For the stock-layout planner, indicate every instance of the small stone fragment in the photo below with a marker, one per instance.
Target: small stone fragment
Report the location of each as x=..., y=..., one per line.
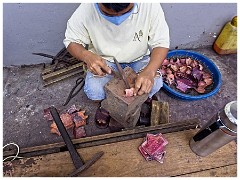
x=72, y=109
x=47, y=115
x=79, y=132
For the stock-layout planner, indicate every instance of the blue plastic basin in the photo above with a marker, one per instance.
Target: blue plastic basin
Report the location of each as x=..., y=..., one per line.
x=217, y=80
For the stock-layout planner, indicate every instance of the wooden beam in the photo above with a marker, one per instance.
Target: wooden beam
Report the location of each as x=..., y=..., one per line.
x=107, y=138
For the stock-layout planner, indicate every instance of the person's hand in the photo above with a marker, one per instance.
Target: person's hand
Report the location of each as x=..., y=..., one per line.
x=144, y=83
x=97, y=65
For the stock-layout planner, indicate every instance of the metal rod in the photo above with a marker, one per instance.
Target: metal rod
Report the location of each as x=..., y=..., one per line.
x=77, y=161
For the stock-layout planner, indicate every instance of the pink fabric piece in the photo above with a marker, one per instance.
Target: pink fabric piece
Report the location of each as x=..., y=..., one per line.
x=145, y=154
x=153, y=147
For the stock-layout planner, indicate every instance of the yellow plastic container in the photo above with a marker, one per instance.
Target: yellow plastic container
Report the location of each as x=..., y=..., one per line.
x=226, y=42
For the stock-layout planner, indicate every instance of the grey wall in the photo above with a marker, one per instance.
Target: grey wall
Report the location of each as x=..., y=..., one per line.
x=33, y=27
x=29, y=28
x=196, y=25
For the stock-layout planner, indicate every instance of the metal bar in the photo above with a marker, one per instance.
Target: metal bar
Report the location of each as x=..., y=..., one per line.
x=44, y=55
x=52, y=57
x=64, y=54
x=66, y=70
x=75, y=90
x=77, y=161
x=59, y=78
x=61, y=52
x=48, y=69
x=122, y=74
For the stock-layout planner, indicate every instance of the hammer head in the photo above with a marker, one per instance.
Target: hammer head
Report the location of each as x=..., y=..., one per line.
x=87, y=164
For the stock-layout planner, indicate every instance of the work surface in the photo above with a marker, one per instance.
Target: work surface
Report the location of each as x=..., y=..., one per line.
x=122, y=159
x=25, y=98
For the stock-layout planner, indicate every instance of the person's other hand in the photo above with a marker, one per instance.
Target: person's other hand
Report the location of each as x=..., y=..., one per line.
x=144, y=83
x=97, y=65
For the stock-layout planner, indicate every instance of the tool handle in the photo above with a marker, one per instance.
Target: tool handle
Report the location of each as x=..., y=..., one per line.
x=77, y=161
x=122, y=74
x=79, y=83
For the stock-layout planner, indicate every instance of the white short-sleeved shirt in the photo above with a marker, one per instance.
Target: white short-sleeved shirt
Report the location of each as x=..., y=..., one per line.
x=130, y=41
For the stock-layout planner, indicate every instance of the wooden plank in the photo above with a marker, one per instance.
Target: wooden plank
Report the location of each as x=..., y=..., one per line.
x=225, y=171
x=126, y=134
x=160, y=113
x=122, y=159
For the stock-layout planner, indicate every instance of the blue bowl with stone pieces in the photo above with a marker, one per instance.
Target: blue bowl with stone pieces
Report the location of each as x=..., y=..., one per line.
x=207, y=63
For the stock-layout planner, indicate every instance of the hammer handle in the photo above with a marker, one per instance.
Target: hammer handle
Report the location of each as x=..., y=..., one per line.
x=77, y=161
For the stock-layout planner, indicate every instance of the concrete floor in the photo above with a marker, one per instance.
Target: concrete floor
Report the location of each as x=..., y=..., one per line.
x=25, y=98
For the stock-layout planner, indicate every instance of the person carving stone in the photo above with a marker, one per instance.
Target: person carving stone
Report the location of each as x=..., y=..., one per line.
x=136, y=34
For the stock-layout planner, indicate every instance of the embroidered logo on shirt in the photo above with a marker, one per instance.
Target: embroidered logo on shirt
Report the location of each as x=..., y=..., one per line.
x=138, y=36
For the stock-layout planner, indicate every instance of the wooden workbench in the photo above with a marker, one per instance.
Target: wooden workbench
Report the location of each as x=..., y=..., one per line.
x=123, y=159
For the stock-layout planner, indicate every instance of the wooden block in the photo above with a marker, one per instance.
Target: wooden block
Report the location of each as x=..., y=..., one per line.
x=125, y=110
x=115, y=126
x=122, y=159
x=160, y=113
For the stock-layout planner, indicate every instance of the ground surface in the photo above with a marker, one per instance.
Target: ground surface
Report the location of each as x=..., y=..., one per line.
x=24, y=99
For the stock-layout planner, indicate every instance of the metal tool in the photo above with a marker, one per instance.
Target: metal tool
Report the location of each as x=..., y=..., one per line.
x=55, y=57
x=122, y=73
x=56, y=60
x=77, y=160
x=79, y=84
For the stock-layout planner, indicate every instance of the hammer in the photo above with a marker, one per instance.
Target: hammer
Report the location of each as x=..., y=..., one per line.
x=76, y=158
